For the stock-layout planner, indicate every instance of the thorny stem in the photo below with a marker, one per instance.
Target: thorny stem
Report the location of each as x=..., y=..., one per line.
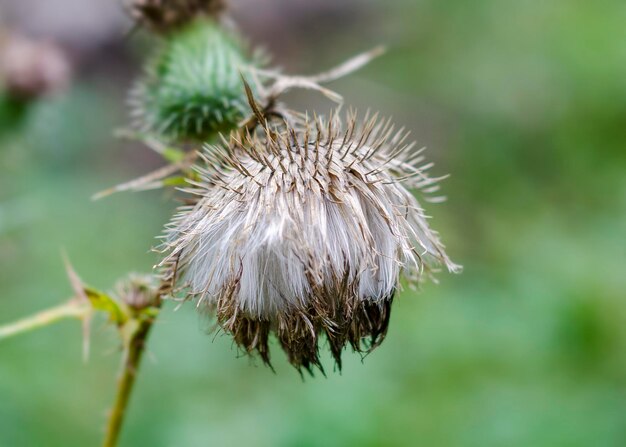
x=72, y=309
x=132, y=360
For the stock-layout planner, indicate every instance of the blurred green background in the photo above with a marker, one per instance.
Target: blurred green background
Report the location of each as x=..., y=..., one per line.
x=523, y=102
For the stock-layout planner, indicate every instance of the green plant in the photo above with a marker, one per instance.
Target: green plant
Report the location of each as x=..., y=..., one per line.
x=293, y=227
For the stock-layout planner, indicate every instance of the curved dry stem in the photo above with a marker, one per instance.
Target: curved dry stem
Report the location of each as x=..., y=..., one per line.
x=284, y=83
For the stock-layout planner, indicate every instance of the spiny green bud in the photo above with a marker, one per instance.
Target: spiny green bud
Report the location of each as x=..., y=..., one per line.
x=192, y=88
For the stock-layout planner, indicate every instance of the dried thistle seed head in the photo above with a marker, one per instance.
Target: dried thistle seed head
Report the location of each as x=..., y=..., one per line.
x=30, y=69
x=192, y=88
x=138, y=291
x=167, y=15
x=304, y=231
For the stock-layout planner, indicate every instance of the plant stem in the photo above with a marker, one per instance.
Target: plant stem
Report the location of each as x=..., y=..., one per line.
x=132, y=360
x=72, y=309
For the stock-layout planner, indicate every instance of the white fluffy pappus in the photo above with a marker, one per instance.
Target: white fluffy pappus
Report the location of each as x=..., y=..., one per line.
x=304, y=229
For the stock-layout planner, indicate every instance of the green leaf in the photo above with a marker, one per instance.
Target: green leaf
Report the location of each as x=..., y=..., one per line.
x=173, y=155
x=103, y=302
x=175, y=181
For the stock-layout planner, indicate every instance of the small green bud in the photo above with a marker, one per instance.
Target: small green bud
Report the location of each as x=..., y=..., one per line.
x=192, y=88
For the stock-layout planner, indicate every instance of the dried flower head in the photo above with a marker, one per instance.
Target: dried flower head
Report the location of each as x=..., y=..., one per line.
x=304, y=230
x=29, y=69
x=192, y=88
x=167, y=15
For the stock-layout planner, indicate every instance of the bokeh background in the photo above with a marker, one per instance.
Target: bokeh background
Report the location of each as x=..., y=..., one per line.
x=523, y=102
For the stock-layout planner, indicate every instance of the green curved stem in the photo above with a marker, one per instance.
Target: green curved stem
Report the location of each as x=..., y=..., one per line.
x=132, y=360
x=68, y=310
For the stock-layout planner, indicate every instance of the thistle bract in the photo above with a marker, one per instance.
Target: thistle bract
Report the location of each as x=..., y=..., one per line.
x=192, y=88
x=305, y=230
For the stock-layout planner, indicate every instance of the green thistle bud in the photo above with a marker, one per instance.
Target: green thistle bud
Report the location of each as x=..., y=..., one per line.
x=192, y=88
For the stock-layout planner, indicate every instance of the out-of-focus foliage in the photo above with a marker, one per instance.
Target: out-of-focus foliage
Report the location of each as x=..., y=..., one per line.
x=523, y=102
